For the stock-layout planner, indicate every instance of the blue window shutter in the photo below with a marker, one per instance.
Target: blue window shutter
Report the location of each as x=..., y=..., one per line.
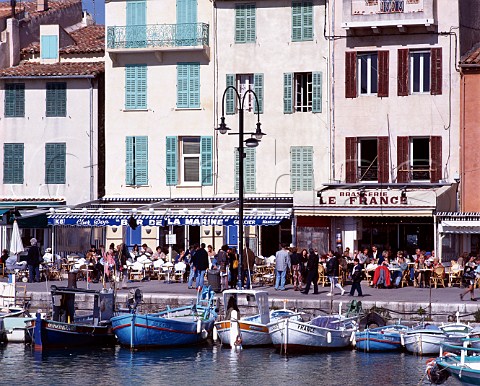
x=302, y=20
x=194, y=86
x=317, y=92
x=13, y=162
x=49, y=47
x=136, y=29
x=14, y=100
x=258, y=88
x=206, y=150
x=186, y=11
x=249, y=167
x=186, y=29
x=240, y=24
x=171, y=161
x=296, y=21
x=250, y=17
x=55, y=163
x=56, y=101
x=230, y=96
x=135, y=86
x=307, y=20
x=188, y=85
x=288, y=93
x=301, y=168
x=129, y=164
x=182, y=85
x=141, y=160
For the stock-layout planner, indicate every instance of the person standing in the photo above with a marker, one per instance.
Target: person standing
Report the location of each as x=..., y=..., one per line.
x=333, y=268
x=469, y=276
x=193, y=273
x=357, y=276
x=295, y=260
x=312, y=273
x=201, y=265
x=282, y=263
x=33, y=261
x=222, y=262
x=248, y=262
x=233, y=265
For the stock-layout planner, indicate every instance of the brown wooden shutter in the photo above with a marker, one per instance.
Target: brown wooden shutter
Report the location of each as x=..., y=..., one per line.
x=403, y=78
x=436, y=71
x=435, y=158
x=403, y=161
x=383, y=160
x=382, y=74
x=350, y=160
x=350, y=74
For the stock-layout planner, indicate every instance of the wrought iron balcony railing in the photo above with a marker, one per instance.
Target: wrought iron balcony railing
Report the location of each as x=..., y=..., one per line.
x=158, y=36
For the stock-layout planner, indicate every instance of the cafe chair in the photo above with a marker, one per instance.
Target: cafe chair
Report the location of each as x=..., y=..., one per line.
x=322, y=278
x=455, y=274
x=438, y=277
x=405, y=278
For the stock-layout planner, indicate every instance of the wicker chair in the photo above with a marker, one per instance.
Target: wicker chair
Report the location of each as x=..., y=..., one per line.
x=438, y=277
x=322, y=278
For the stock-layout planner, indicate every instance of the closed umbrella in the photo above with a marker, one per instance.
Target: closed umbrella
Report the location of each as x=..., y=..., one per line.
x=16, y=244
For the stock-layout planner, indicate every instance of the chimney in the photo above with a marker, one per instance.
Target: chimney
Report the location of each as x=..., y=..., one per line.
x=42, y=5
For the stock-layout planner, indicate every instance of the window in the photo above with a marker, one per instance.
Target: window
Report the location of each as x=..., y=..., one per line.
x=13, y=163
x=190, y=160
x=186, y=28
x=249, y=185
x=367, y=159
x=302, y=92
x=188, y=85
x=135, y=87
x=301, y=168
x=366, y=74
x=14, y=100
x=420, y=71
x=49, y=47
x=56, y=99
x=243, y=83
x=245, y=23
x=136, y=32
x=302, y=20
x=55, y=163
x=136, y=161
x=419, y=159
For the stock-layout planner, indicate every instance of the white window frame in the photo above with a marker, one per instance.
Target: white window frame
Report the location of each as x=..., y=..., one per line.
x=184, y=156
x=423, y=53
x=245, y=82
x=428, y=157
x=298, y=86
x=369, y=56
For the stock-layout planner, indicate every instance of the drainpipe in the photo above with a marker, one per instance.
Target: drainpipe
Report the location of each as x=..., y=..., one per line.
x=92, y=174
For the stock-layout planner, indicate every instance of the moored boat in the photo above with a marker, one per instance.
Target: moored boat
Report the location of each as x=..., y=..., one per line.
x=180, y=326
x=386, y=338
x=424, y=340
x=321, y=333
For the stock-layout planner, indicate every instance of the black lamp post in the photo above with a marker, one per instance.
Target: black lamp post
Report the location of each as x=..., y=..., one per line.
x=250, y=142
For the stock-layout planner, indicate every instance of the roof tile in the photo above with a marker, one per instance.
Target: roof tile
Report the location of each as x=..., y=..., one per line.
x=56, y=69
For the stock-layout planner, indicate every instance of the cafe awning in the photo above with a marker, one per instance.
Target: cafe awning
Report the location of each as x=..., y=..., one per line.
x=458, y=223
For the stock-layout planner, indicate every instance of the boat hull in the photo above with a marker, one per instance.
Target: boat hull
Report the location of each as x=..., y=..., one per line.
x=252, y=334
x=465, y=374
x=290, y=335
x=377, y=341
x=424, y=343
x=145, y=330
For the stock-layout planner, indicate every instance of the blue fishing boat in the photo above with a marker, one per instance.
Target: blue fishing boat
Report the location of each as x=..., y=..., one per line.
x=67, y=330
x=180, y=326
x=386, y=338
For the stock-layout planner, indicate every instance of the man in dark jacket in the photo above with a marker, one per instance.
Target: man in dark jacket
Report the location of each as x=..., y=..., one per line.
x=312, y=272
x=248, y=261
x=333, y=271
x=200, y=264
x=357, y=276
x=33, y=261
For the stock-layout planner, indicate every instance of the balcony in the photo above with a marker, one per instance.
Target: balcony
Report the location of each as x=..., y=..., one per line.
x=377, y=14
x=158, y=38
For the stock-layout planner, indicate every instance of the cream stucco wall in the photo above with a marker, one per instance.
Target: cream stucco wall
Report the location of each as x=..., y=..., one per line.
x=413, y=115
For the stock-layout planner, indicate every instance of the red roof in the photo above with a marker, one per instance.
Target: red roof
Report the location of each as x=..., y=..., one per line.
x=472, y=56
x=56, y=69
x=88, y=39
x=31, y=7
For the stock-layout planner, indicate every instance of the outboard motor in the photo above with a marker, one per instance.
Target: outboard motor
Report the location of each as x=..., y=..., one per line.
x=134, y=298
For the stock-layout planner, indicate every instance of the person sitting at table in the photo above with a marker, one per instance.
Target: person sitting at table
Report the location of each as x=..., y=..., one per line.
x=134, y=253
x=399, y=267
x=421, y=271
x=159, y=254
x=381, y=277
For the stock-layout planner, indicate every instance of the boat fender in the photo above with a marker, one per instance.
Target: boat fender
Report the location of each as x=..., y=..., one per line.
x=435, y=373
x=329, y=337
x=238, y=341
x=215, y=334
x=199, y=326
x=402, y=340
x=204, y=334
x=352, y=338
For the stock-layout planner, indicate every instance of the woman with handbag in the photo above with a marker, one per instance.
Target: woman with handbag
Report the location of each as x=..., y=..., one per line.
x=469, y=276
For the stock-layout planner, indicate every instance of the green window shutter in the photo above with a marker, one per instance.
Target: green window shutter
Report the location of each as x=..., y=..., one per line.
x=14, y=100
x=141, y=160
x=186, y=11
x=56, y=101
x=302, y=20
x=230, y=96
x=317, y=92
x=171, y=161
x=186, y=31
x=135, y=86
x=288, y=93
x=250, y=23
x=240, y=24
x=13, y=162
x=55, y=163
x=258, y=88
x=188, y=85
x=307, y=20
x=296, y=21
x=129, y=161
x=301, y=168
x=136, y=29
x=249, y=168
x=206, y=150
x=49, y=47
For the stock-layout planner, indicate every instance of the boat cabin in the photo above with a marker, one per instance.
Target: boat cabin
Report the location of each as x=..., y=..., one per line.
x=249, y=302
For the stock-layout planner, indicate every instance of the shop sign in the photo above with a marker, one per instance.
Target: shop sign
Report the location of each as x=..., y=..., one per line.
x=371, y=198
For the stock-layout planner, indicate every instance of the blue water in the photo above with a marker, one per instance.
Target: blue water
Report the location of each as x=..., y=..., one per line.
x=207, y=365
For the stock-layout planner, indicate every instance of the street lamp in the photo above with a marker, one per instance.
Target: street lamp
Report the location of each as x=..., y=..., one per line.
x=253, y=141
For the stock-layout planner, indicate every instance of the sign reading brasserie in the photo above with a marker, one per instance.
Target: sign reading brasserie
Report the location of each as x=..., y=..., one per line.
x=365, y=198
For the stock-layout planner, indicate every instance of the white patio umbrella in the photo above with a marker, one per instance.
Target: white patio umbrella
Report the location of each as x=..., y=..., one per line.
x=16, y=244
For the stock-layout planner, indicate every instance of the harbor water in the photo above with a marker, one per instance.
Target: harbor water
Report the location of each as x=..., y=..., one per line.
x=208, y=365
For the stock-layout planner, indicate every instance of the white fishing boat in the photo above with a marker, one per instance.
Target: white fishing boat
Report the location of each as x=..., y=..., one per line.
x=424, y=340
x=245, y=322
x=321, y=333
